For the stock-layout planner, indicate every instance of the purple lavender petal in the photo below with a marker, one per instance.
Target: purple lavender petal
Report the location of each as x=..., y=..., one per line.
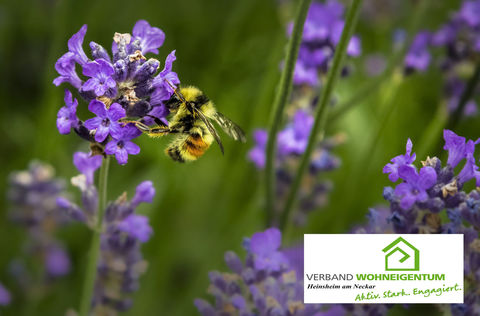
x=456, y=147
x=67, y=115
x=144, y=193
x=98, y=108
x=65, y=66
x=75, y=45
x=427, y=178
x=132, y=148
x=162, y=89
x=87, y=164
x=116, y=112
x=151, y=38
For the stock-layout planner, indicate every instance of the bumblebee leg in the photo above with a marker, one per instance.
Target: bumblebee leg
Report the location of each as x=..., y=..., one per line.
x=142, y=127
x=157, y=121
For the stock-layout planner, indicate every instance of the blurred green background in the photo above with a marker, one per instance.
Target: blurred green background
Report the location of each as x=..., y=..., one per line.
x=232, y=50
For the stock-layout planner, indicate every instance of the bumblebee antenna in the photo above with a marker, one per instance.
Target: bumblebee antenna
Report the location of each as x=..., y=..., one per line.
x=178, y=94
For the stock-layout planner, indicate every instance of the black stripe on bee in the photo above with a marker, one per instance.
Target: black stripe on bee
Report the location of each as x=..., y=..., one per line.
x=201, y=100
x=172, y=103
x=174, y=153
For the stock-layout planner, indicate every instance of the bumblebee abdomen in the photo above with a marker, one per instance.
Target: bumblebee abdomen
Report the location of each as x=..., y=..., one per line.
x=195, y=146
x=174, y=153
x=188, y=148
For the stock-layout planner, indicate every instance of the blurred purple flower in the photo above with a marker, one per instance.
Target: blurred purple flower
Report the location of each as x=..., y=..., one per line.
x=87, y=164
x=294, y=138
x=57, y=262
x=257, y=154
x=470, y=12
x=304, y=74
x=136, y=226
x=144, y=193
x=418, y=57
x=321, y=34
x=265, y=246
x=5, y=297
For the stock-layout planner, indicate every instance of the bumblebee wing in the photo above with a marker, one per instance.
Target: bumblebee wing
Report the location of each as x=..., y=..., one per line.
x=210, y=127
x=229, y=127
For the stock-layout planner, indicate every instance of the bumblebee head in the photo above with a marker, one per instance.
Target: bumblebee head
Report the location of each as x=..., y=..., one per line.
x=173, y=103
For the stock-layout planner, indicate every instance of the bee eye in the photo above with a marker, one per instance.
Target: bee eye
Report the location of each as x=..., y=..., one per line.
x=173, y=103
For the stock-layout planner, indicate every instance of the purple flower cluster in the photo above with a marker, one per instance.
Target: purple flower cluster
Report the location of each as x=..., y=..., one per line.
x=417, y=202
x=121, y=264
x=32, y=195
x=459, y=43
x=125, y=84
x=269, y=282
x=265, y=283
x=321, y=34
x=292, y=142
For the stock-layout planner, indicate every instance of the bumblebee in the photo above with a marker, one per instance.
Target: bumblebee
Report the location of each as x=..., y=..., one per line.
x=191, y=124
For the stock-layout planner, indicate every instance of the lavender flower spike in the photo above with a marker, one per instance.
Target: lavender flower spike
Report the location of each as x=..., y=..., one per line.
x=123, y=83
x=400, y=160
x=271, y=290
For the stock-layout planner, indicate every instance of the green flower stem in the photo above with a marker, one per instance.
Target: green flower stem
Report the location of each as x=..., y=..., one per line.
x=322, y=110
x=395, y=61
x=283, y=93
x=91, y=273
x=466, y=96
x=452, y=122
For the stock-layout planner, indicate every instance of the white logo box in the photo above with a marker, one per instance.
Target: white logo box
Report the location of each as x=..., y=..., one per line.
x=396, y=268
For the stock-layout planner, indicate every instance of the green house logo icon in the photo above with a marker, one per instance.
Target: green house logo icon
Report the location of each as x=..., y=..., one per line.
x=401, y=255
